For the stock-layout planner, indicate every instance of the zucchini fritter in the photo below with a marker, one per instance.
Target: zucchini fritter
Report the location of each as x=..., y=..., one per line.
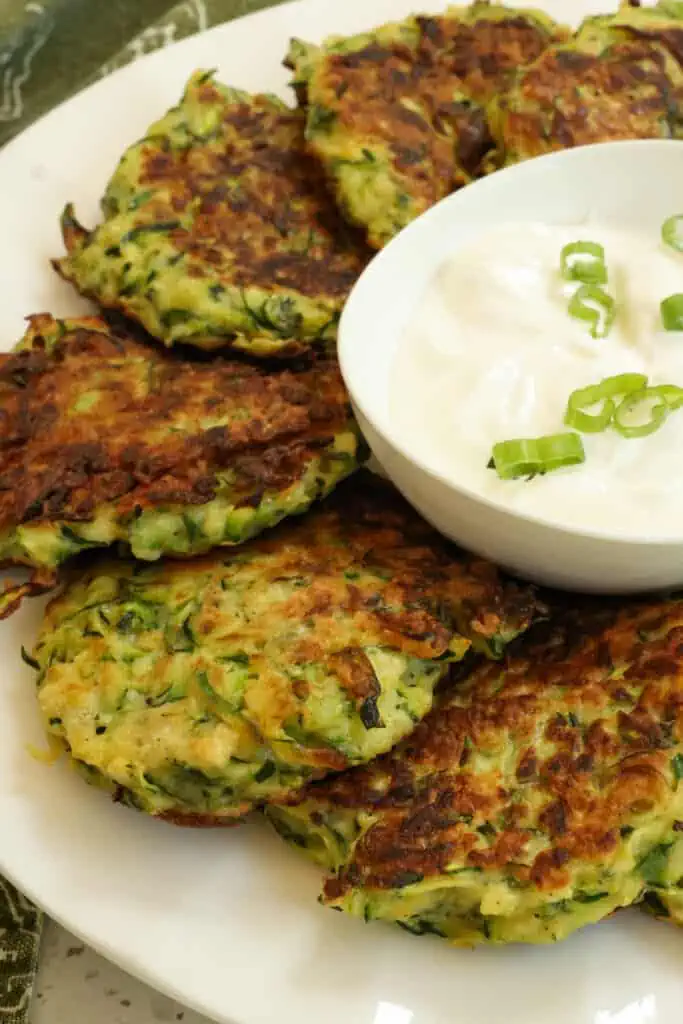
x=539, y=796
x=197, y=689
x=219, y=231
x=661, y=24
x=608, y=84
x=396, y=116
x=106, y=438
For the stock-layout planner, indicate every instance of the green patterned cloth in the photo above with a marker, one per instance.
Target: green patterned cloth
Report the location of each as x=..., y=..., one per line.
x=49, y=49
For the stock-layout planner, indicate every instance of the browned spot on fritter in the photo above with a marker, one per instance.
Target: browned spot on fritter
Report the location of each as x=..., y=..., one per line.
x=593, y=737
x=425, y=103
x=253, y=187
x=570, y=98
x=147, y=440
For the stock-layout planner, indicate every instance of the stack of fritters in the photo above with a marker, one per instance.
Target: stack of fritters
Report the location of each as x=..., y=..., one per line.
x=401, y=116
x=621, y=77
x=397, y=116
x=199, y=689
x=526, y=797
x=108, y=438
x=540, y=795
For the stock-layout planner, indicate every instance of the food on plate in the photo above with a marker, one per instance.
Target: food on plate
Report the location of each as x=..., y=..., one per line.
x=604, y=85
x=195, y=690
x=218, y=230
x=541, y=794
x=396, y=116
x=572, y=432
x=661, y=23
x=664, y=898
x=108, y=438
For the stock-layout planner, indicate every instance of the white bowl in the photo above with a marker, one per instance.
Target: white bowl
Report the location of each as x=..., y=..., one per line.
x=633, y=185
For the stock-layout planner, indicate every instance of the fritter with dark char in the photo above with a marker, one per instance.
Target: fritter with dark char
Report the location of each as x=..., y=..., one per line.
x=396, y=116
x=197, y=689
x=661, y=24
x=219, y=231
x=607, y=84
x=540, y=795
x=106, y=438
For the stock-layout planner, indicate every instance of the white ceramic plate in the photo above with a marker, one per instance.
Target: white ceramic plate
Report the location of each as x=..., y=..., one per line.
x=227, y=921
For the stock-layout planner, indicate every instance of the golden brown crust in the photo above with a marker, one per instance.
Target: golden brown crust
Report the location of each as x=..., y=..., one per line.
x=573, y=96
x=281, y=193
x=146, y=440
x=452, y=57
x=405, y=107
x=531, y=767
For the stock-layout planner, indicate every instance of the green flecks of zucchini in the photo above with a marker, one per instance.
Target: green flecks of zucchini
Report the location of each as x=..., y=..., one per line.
x=195, y=534
x=140, y=199
x=170, y=695
x=278, y=314
x=136, y=619
x=653, y=866
x=73, y=538
x=179, y=638
x=487, y=829
x=240, y=658
x=290, y=834
x=265, y=772
x=420, y=926
x=29, y=660
x=652, y=904
x=156, y=227
x=220, y=702
x=366, y=161
x=369, y=713
x=677, y=768
x=320, y=119
x=589, y=897
x=176, y=317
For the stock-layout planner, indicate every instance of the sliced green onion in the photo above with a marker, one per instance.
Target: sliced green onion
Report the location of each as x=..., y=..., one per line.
x=671, y=393
x=657, y=412
x=606, y=391
x=672, y=232
x=672, y=313
x=585, y=262
x=528, y=457
x=593, y=305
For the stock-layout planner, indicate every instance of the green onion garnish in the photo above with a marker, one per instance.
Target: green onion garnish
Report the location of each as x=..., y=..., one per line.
x=671, y=393
x=606, y=391
x=672, y=313
x=672, y=232
x=592, y=304
x=585, y=262
x=648, y=401
x=529, y=457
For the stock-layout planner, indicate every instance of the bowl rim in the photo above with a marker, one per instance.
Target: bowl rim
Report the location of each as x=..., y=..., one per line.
x=348, y=339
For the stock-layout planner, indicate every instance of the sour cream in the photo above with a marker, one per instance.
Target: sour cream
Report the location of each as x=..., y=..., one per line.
x=491, y=354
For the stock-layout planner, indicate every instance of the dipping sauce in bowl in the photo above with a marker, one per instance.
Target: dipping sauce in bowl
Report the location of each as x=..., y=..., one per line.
x=492, y=353
x=467, y=332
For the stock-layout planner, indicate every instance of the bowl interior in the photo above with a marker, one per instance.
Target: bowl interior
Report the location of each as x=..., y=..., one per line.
x=632, y=185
